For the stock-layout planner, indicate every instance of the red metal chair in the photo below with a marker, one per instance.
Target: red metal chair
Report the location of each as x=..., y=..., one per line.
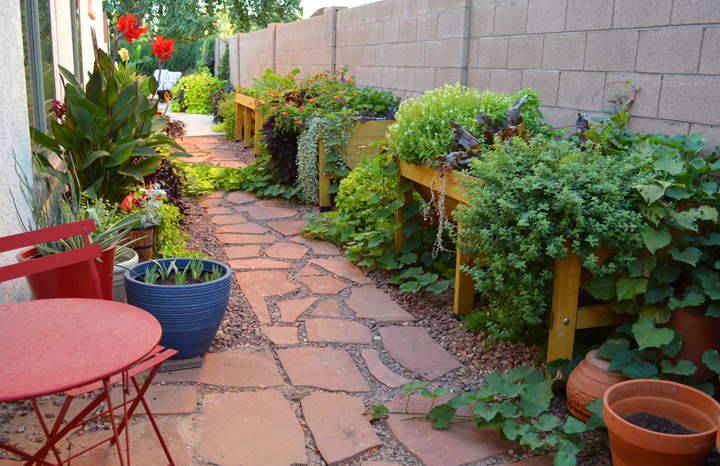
x=89, y=253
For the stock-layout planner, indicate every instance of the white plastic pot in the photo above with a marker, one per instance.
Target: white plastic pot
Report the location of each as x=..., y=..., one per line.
x=119, y=278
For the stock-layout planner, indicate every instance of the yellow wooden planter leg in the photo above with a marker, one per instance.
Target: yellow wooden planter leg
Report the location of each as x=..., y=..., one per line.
x=259, y=120
x=464, y=285
x=248, y=126
x=563, y=319
x=239, y=119
x=324, y=195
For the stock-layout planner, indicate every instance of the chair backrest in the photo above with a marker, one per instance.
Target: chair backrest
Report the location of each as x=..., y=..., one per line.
x=88, y=253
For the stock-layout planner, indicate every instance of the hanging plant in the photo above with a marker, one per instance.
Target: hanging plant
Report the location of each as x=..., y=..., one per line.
x=307, y=161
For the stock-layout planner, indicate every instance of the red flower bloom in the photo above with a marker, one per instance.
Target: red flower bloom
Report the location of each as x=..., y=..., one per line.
x=130, y=27
x=163, y=48
x=127, y=203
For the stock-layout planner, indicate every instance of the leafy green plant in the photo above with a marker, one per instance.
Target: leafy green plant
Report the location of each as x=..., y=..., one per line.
x=224, y=66
x=169, y=240
x=517, y=403
x=197, y=89
x=365, y=224
x=227, y=110
x=109, y=135
x=422, y=129
x=530, y=203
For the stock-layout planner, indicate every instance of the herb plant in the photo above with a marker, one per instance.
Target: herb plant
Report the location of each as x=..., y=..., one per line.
x=531, y=202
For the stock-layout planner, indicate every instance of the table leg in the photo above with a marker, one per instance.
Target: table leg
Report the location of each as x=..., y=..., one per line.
x=45, y=430
x=116, y=435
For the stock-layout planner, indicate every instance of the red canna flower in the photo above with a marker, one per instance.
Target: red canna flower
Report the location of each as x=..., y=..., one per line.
x=163, y=48
x=130, y=27
x=128, y=202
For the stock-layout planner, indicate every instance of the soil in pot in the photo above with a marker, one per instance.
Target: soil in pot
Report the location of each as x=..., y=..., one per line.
x=659, y=424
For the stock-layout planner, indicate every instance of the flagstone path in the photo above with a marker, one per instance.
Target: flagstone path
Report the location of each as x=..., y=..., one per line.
x=334, y=343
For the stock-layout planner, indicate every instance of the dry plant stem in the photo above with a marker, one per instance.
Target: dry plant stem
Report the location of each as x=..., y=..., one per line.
x=438, y=204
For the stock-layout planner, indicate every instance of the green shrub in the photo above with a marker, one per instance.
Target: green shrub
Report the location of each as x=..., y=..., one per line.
x=169, y=240
x=422, y=128
x=227, y=110
x=224, y=66
x=196, y=89
x=527, y=202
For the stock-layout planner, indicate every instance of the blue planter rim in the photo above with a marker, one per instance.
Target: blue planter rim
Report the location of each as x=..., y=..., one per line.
x=141, y=267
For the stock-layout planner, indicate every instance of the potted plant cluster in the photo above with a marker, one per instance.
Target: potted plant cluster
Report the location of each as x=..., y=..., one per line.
x=187, y=296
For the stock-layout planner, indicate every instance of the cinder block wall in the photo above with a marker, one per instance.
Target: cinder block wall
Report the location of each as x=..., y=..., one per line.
x=257, y=53
x=566, y=49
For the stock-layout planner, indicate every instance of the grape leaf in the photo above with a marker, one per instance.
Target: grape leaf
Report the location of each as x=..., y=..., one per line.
x=655, y=240
x=712, y=359
x=684, y=367
x=641, y=370
x=647, y=335
x=610, y=348
x=689, y=255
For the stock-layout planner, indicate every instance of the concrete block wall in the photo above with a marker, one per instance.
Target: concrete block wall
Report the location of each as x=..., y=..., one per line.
x=257, y=53
x=306, y=45
x=234, y=60
x=220, y=46
x=569, y=50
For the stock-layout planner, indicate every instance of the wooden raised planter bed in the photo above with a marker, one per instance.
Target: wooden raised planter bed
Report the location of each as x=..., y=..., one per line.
x=364, y=134
x=253, y=120
x=565, y=318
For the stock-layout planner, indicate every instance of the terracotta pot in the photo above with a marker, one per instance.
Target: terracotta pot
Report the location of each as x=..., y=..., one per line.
x=588, y=382
x=71, y=281
x=700, y=333
x=635, y=446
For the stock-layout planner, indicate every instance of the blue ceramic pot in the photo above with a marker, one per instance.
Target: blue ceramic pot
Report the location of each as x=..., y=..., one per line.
x=190, y=315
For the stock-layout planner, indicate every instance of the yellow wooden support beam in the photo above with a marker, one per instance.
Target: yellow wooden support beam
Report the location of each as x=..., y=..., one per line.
x=464, y=284
x=564, y=313
x=324, y=195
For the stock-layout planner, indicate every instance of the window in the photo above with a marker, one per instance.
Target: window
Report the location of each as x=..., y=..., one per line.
x=77, y=38
x=39, y=72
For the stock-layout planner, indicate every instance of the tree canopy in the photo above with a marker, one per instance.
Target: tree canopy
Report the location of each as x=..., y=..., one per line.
x=189, y=20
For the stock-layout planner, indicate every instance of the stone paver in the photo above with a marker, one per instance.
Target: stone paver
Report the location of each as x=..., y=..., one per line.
x=378, y=463
x=338, y=425
x=460, y=443
x=337, y=331
x=321, y=248
x=329, y=369
x=323, y=284
x=290, y=310
x=251, y=429
x=380, y=371
x=216, y=194
x=162, y=399
x=244, y=228
x=288, y=227
x=145, y=449
x=342, y=268
x=220, y=211
x=327, y=309
x=253, y=264
x=243, y=367
x=242, y=252
x=368, y=302
x=272, y=202
x=238, y=198
x=307, y=270
x=232, y=238
x=267, y=213
x=281, y=335
x=228, y=219
x=257, y=285
x=286, y=251
x=214, y=202
x=417, y=352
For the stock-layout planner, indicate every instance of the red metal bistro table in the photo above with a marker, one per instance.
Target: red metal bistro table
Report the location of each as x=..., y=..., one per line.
x=76, y=346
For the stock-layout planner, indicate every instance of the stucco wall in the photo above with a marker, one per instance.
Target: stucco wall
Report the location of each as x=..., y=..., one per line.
x=14, y=137
x=567, y=49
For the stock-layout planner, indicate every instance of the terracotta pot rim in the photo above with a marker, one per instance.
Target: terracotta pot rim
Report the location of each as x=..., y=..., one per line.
x=656, y=441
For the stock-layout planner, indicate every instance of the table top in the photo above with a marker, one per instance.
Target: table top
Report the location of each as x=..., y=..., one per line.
x=53, y=345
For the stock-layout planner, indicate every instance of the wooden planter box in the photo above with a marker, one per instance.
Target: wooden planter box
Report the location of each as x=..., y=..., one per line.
x=253, y=120
x=565, y=318
x=364, y=134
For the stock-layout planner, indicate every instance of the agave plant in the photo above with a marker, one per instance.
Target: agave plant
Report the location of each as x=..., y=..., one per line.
x=109, y=134
x=53, y=203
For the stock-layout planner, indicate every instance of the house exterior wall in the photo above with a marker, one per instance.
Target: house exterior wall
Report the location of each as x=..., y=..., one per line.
x=14, y=118
x=569, y=50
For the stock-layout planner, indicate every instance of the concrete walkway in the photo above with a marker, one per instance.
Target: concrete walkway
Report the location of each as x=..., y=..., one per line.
x=197, y=125
x=334, y=344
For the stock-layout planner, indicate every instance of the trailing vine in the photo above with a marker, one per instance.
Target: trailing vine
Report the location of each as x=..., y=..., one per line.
x=307, y=161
